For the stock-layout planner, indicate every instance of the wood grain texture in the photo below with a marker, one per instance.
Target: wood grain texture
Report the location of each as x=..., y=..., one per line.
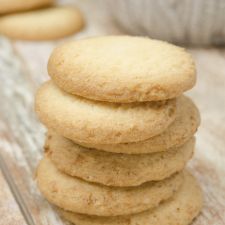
x=21, y=138
x=23, y=68
x=209, y=161
x=9, y=209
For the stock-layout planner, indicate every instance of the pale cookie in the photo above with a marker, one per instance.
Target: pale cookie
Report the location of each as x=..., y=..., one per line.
x=42, y=24
x=79, y=196
x=180, y=210
x=113, y=169
x=180, y=131
x=122, y=69
x=89, y=121
x=9, y=6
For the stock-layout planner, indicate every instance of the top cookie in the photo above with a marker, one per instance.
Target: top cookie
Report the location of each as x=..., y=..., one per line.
x=8, y=6
x=122, y=69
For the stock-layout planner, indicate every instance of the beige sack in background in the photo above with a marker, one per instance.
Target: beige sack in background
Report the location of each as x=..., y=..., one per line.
x=195, y=22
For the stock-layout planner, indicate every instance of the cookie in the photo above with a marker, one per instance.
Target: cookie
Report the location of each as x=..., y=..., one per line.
x=180, y=210
x=122, y=69
x=179, y=132
x=42, y=24
x=76, y=195
x=113, y=169
x=9, y=6
x=89, y=121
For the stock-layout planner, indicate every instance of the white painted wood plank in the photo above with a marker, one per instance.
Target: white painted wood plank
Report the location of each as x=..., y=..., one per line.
x=21, y=138
x=10, y=213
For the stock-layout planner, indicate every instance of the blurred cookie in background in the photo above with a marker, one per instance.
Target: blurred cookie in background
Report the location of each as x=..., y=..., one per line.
x=9, y=6
x=42, y=24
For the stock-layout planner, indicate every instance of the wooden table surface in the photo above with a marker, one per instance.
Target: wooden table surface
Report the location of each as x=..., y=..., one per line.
x=23, y=69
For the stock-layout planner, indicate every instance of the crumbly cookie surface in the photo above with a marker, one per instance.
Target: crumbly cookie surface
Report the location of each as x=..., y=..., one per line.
x=76, y=195
x=180, y=131
x=122, y=69
x=180, y=210
x=95, y=122
x=114, y=169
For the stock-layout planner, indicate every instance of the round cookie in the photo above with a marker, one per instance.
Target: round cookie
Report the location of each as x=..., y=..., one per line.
x=76, y=195
x=83, y=120
x=9, y=6
x=122, y=69
x=180, y=131
x=180, y=210
x=42, y=24
x=120, y=170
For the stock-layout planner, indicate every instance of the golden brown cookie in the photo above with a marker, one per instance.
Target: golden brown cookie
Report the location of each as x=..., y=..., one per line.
x=180, y=131
x=76, y=195
x=9, y=6
x=114, y=169
x=122, y=69
x=84, y=120
x=42, y=24
x=180, y=210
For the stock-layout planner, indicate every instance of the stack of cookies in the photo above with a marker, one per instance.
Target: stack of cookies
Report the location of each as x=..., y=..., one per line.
x=38, y=20
x=120, y=132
